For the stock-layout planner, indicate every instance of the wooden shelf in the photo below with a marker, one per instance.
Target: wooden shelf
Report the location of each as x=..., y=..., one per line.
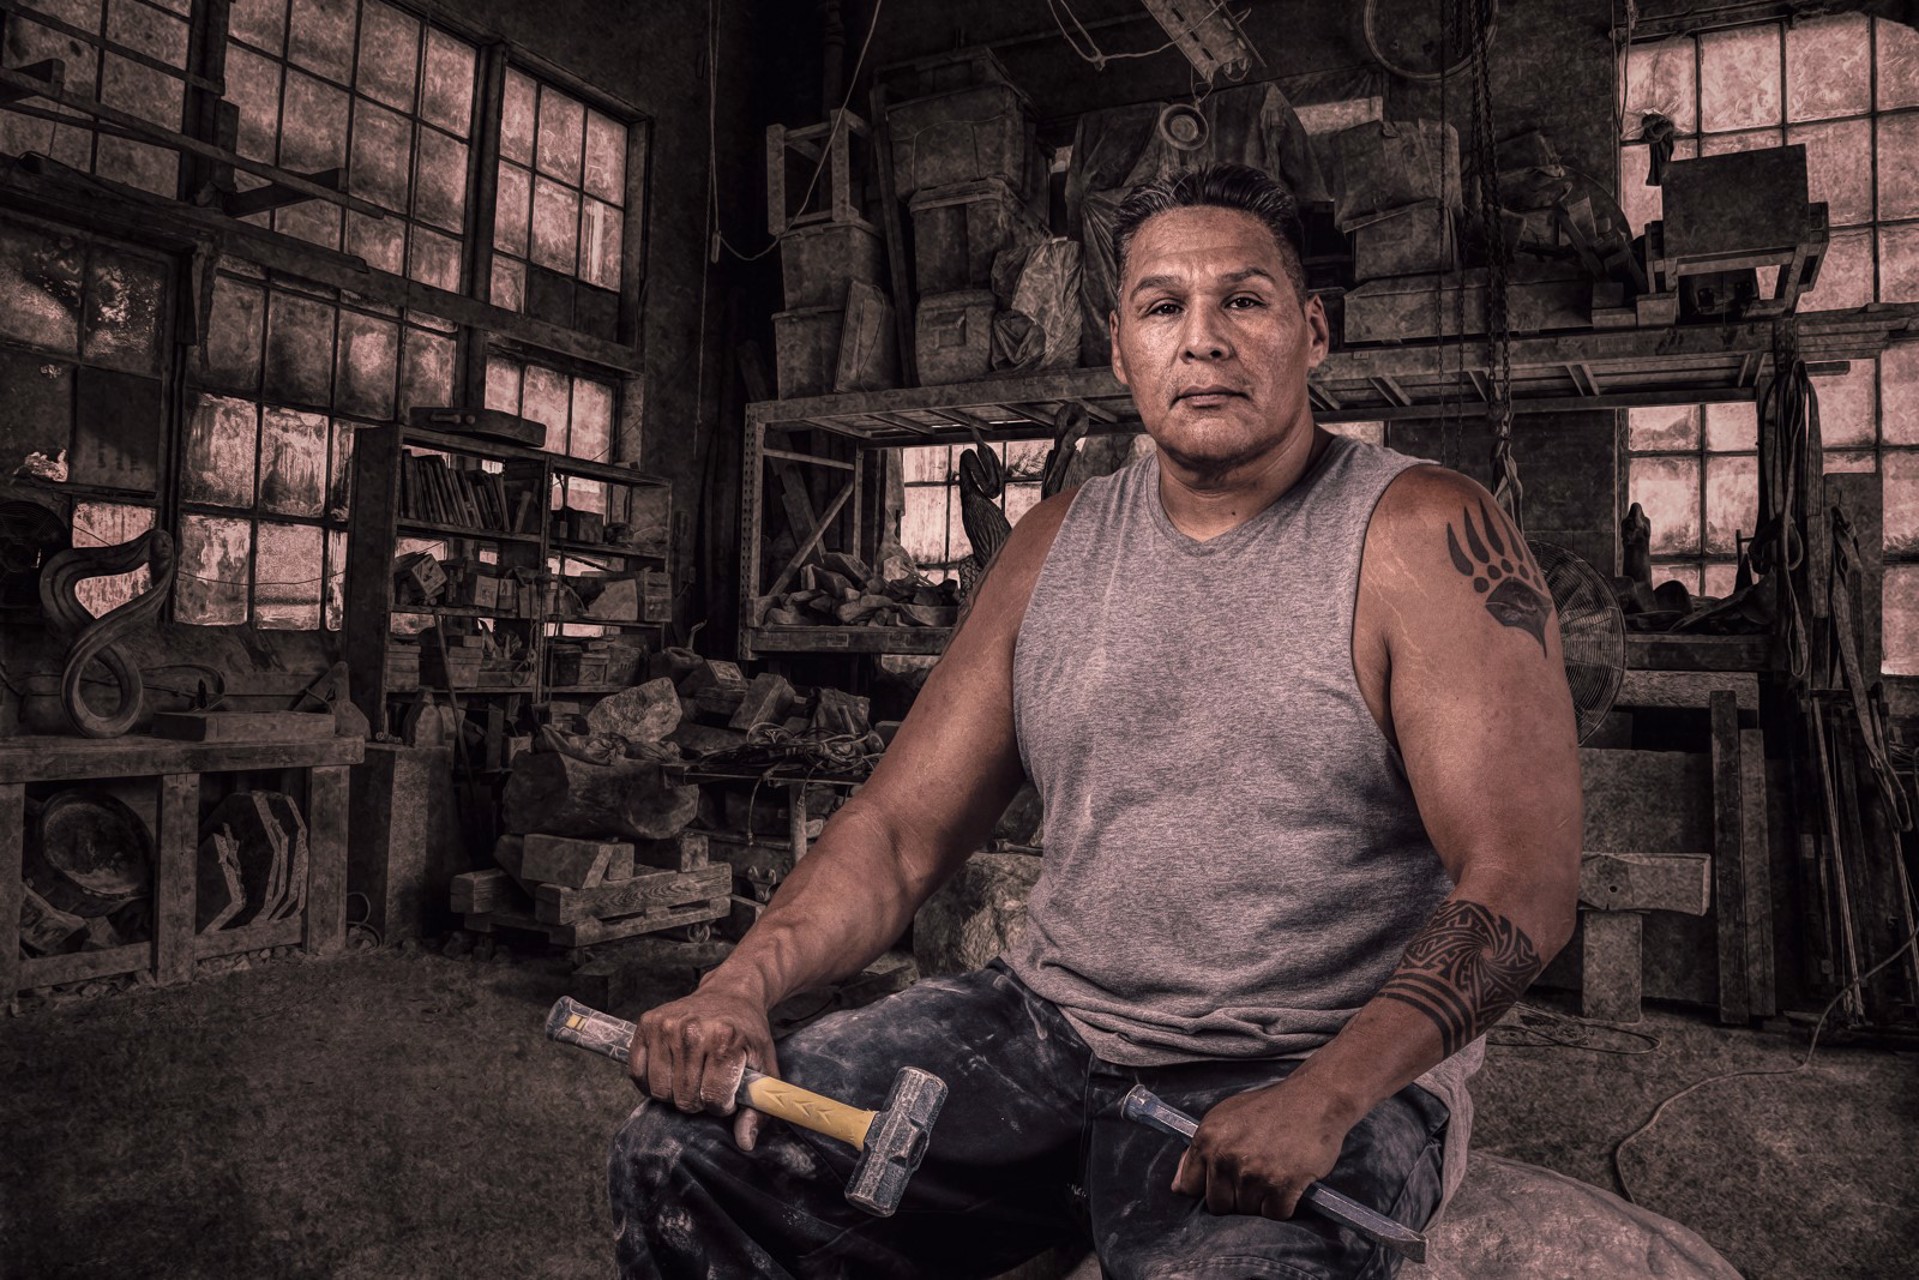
x=1656, y=651
x=587, y=688
x=930, y=640
x=460, y=611
x=408, y=525
x=629, y=624
x=603, y=549
x=502, y=451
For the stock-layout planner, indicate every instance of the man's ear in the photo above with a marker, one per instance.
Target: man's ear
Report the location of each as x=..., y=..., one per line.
x=1119, y=361
x=1320, y=332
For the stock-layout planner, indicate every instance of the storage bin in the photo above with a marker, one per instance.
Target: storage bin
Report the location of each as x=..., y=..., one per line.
x=818, y=261
x=954, y=336
x=965, y=135
x=958, y=230
x=806, y=350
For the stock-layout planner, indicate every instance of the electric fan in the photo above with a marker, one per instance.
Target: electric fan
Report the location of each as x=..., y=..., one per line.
x=1592, y=632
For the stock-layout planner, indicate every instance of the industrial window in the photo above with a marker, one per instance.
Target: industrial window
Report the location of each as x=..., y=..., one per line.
x=561, y=209
x=128, y=54
x=83, y=325
x=289, y=373
x=369, y=88
x=931, y=530
x=577, y=411
x=1847, y=87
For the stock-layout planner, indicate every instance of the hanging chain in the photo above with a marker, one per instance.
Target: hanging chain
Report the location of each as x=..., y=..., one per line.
x=1449, y=408
x=1499, y=408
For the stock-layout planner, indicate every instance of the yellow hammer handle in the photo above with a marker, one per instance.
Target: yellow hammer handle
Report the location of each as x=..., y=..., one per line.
x=808, y=1110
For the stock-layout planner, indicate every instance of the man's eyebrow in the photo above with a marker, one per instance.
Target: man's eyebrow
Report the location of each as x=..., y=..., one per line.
x=1231, y=277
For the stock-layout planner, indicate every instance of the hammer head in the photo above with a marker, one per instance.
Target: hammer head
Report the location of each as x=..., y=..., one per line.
x=896, y=1141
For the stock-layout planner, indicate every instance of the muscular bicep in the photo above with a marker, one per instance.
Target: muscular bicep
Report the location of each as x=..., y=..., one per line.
x=1477, y=693
x=954, y=763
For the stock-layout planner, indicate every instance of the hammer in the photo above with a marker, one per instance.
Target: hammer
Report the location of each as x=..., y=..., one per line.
x=1146, y=1107
x=891, y=1141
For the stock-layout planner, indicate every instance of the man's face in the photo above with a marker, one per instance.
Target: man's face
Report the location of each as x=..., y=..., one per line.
x=1210, y=336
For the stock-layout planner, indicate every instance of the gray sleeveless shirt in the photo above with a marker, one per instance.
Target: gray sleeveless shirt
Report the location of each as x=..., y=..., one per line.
x=1234, y=861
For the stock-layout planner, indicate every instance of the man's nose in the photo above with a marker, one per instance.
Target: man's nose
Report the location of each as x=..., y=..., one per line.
x=1204, y=336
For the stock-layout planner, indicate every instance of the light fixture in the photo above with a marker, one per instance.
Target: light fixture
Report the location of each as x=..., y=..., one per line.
x=1208, y=34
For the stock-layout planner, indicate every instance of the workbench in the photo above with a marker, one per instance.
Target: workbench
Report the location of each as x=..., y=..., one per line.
x=177, y=768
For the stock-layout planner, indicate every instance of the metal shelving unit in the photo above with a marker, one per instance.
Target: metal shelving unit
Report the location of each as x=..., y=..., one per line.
x=1584, y=370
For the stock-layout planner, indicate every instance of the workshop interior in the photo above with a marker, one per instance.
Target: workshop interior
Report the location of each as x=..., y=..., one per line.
x=487, y=480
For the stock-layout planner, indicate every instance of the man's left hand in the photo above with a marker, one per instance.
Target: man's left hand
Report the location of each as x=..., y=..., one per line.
x=1256, y=1152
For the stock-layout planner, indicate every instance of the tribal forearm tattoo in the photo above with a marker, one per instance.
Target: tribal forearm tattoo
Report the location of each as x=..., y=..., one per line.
x=1514, y=588
x=1464, y=970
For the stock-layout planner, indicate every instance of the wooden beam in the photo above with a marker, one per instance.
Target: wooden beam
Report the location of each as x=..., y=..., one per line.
x=50, y=189
x=242, y=204
x=810, y=459
x=174, y=881
x=1646, y=882
x=1611, y=979
x=50, y=70
x=812, y=540
x=1729, y=896
x=35, y=87
x=1755, y=875
x=13, y=839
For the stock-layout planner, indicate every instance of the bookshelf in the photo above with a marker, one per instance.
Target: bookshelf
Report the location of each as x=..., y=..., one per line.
x=493, y=509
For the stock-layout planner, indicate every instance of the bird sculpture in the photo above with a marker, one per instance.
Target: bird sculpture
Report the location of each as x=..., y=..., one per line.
x=981, y=483
x=1070, y=425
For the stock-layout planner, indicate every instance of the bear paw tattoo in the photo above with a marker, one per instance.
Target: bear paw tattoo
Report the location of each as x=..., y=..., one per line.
x=1514, y=589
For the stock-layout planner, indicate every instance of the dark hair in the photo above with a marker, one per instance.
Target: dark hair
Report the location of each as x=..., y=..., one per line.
x=1224, y=186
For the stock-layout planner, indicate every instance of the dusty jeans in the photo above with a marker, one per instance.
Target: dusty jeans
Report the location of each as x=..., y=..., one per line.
x=1030, y=1151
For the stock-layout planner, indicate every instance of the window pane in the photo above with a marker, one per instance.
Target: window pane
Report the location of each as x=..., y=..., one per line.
x=605, y=158
x=427, y=378
x=210, y=588
x=1663, y=428
x=1901, y=479
x=261, y=23
x=1833, y=171
x=562, y=134
x=218, y=467
x=1668, y=490
x=1020, y=498
x=502, y=384
x=1899, y=263
x=287, y=583
x=1732, y=427
x=315, y=133
x=1719, y=144
x=1898, y=47
x=381, y=241
x=336, y=543
x=382, y=155
x=447, y=99
x=36, y=411
x=600, y=244
x=1688, y=574
x=556, y=215
x=1899, y=393
x=1846, y=407
x=434, y=259
x=368, y=361
x=124, y=296
x=510, y=211
x=923, y=522
x=440, y=197
x=1732, y=500
x=314, y=221
x=320, y=37
x=544, y=398
x=299, y=363
x=1739, y=78
x=1828, y=68
x=253, y=85
x=1898, y=139
x=927, y=463
x=516, y=118
x=1845, y=277
x=592, y=434
x=1901, y=614
x=585, y=495
x=106, y=524
x=1659, y=77
x=389, y=55
x=509, y=284
x=293, y=462
x=39, y=287
x=1719, y=579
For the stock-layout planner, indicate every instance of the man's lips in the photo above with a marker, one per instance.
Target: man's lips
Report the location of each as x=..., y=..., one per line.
x=1207, y=393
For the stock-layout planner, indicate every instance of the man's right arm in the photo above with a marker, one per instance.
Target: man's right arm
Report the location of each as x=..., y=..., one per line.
x=932, y=799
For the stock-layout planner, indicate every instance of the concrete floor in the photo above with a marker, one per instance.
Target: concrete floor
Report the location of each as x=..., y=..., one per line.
x=384, y=1114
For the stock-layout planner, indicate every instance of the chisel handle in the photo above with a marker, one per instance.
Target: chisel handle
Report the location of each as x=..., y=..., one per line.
x=571, y=1022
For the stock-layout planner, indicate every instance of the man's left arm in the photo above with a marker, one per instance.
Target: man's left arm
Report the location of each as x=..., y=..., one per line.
x=1456, y=629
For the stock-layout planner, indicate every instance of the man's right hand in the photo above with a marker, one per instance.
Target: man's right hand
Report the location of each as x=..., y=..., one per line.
x=692, y=1053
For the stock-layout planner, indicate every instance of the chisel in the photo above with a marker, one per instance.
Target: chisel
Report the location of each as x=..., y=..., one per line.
x=1143, y=1106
